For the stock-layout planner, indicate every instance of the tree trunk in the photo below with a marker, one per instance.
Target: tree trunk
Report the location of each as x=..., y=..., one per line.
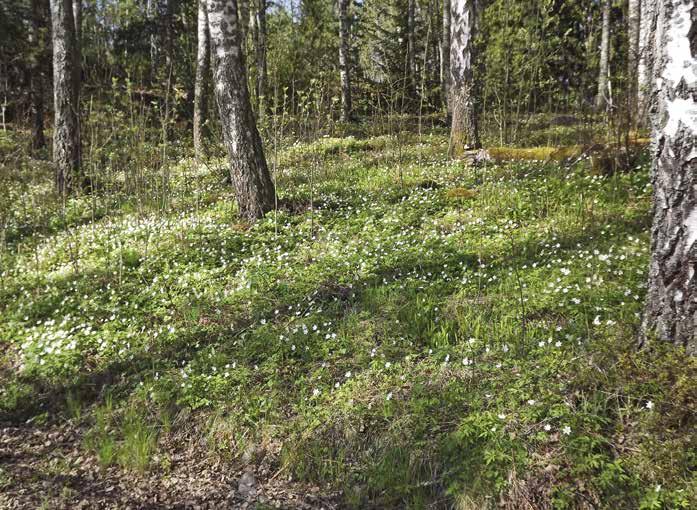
x=248, y=171
x=66, y=91
x=411, y=45
x=445, y=55
x=344, y=66
x=262, y=72
x=646, y=56
x=77, y=18
x=603, y=97
x=201, y=86
x=37, y=65
x=464, y=129
x=633, y=28
x=243, y=13
x=671, y=310
x=167, y=35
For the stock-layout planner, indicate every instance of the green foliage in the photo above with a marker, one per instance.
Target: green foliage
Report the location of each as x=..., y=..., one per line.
x=126, y=437
x=460, y=336
x=531, y=54
x=139, y=441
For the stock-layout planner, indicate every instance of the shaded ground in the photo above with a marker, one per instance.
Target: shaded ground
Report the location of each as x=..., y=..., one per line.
x=45, y=467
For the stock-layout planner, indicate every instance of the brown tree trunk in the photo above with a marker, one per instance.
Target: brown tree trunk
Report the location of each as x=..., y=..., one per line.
x=344, y=65
x=671, y=309
x=202, y=83
x=445, y=55
x=464, y=128
x=603, y=97
x=37, y=65
x=66, y=92
x=248, y=171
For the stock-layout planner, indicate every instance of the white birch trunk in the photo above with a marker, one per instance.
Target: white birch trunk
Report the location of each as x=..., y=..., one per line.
x=647, y=33
x=671, y=311
x=603, y=97
x=202, y=83
x=344, y=65
x=464, y=128
x=248, y=171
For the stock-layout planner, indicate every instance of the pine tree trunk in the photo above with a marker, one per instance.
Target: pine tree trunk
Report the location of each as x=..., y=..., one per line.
x=66, y=91
x=37, y=42
x=603, y=96
x=671, y=310
x=201, y=85
x=445, y=55
x=262, y=72
x=646, y=56
x=464, y=129
x=633, y=28
x=248, y=171
x=344, y=66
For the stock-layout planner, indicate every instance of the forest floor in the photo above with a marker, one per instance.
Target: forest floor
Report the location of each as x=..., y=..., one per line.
x=403, y=332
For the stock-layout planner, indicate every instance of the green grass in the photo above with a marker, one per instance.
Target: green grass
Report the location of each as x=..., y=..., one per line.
x=457, y=337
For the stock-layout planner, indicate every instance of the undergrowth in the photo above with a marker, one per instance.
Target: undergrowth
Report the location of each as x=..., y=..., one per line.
x=412, y=331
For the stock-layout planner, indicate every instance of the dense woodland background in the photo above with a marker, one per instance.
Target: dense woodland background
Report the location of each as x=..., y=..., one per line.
x=348, y=254
x=533, y=57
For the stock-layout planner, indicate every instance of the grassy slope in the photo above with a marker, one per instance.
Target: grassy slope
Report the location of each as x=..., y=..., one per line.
x=457, y=336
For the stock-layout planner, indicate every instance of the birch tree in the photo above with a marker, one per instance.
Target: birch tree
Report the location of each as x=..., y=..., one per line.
x=411, y=45
x=647, y=34
x=445, y=53
x=201, y=85
x=633, y=29
x=66, y=93
x=260, y=47
x=671, y=311
x=602, y=99
x=464, y=128
x=344, y=65
x=248, y=170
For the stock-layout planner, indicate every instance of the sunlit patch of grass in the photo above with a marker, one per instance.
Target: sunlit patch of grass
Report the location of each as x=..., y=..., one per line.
x=525, y=154
x=461, y=193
